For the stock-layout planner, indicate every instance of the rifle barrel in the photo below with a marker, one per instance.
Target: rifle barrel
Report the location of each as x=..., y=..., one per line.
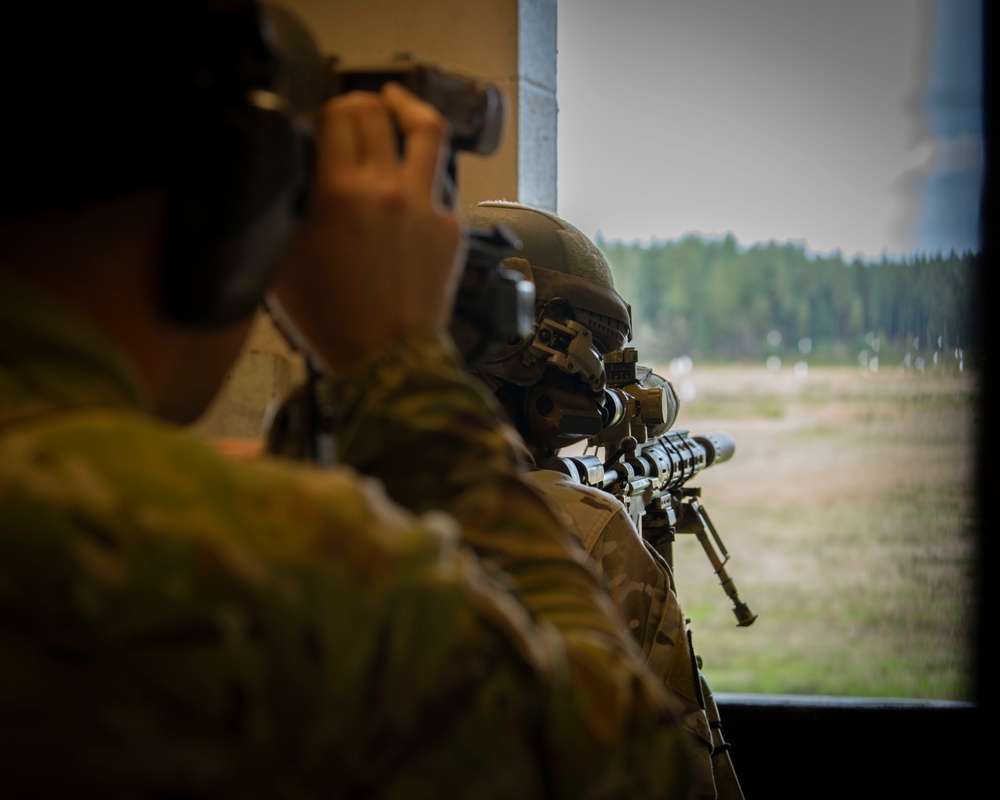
x=669, y=460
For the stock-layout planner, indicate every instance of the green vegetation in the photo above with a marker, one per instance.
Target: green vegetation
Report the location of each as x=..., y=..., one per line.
x=847, y=510
x=715, y=301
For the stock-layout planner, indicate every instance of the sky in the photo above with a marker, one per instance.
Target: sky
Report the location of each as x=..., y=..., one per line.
x=846, y=125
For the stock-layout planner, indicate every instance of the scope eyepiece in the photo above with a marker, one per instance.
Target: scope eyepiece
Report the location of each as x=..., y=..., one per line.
x=615, y=407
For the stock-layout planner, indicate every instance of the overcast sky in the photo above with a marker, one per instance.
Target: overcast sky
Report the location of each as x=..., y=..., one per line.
x=844, y=124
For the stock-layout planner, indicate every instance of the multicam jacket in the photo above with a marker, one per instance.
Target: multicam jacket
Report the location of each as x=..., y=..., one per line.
x=642, y=587
x=172, y=624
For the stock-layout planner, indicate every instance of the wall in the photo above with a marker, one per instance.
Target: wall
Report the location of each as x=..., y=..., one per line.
x=511, y=43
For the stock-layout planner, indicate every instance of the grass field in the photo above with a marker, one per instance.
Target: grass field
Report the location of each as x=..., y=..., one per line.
x=847, y=512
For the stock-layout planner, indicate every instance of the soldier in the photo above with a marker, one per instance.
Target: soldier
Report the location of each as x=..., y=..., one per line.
x=414, y=623
x=554, y=395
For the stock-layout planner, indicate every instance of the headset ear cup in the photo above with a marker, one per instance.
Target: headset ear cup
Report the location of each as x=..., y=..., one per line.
x=235, y=198
x=559, y=412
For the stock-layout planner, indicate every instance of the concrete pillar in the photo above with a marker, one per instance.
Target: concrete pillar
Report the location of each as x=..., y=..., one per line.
x=511, y=43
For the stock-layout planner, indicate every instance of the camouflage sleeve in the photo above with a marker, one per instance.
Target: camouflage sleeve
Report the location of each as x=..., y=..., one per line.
x=434, y=438
x=641, y=585
x=173, y=625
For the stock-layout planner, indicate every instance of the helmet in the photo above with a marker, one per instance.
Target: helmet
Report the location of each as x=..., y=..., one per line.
x=552, y=382
x=562, y=263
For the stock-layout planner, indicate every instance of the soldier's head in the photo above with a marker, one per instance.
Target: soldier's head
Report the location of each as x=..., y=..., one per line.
x=552, y=383
x=111, y=98
x=150, y=171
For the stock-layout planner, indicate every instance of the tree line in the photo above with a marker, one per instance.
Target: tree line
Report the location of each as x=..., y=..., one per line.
x=714, y=300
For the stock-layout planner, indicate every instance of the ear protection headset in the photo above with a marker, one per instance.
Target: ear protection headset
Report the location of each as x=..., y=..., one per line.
x=212, y=99
x=553, y=382
x=243, y=174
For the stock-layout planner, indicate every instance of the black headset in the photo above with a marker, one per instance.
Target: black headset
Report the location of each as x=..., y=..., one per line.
x=204, y=98
x=244, y=171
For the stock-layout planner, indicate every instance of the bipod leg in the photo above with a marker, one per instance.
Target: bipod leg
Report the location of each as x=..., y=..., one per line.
x=697, y=521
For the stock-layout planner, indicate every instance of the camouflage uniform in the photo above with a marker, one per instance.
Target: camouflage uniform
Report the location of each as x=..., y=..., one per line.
x=175, y=625
x=642, y=587
x=620, y=531
x=552, y=390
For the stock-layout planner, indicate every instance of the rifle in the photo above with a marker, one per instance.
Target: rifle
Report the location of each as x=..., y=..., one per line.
x=647, y=465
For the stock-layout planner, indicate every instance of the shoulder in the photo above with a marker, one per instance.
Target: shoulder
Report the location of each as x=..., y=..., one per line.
x=135, y=514
x=595, y=514
x=295, y=590
x=145, y=493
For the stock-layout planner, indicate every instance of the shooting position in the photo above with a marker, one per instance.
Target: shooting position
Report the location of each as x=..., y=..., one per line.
x=571, y=380
x=647, y=465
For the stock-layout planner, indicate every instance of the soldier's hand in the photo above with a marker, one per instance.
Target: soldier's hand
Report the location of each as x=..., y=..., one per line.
x=379, y=253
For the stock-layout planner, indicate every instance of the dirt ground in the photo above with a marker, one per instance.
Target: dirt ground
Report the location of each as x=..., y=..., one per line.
x=832, y=434
x=847, y=512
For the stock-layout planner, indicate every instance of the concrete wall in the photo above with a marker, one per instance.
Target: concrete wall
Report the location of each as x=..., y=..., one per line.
x=511, y=43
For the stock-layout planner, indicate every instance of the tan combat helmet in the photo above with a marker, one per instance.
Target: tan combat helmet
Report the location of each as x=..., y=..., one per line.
x=561, y=262
x=553, y=382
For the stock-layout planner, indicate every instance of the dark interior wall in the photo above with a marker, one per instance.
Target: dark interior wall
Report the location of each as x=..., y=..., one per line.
x=817, y=748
